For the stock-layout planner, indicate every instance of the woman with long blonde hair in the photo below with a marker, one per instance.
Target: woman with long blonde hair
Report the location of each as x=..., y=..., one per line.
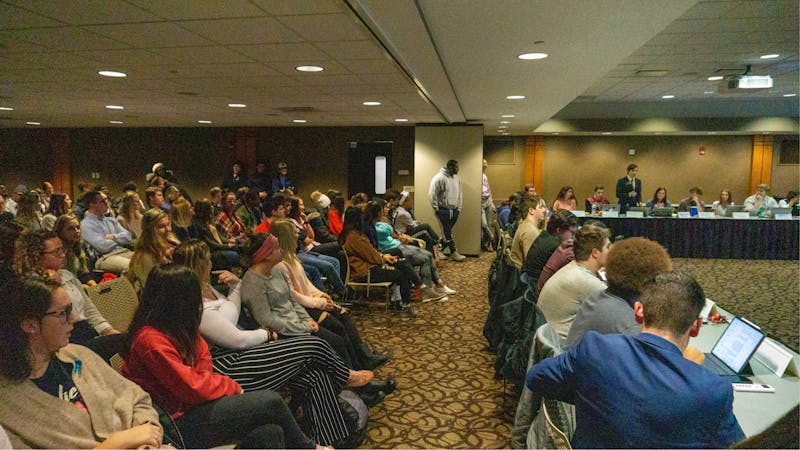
x=181, y=214
x=153, y=248
x=318, y=304
x=130, y=216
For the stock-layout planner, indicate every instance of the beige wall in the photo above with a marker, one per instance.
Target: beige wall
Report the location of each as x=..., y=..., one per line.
x=785, y=177
x=506, y=178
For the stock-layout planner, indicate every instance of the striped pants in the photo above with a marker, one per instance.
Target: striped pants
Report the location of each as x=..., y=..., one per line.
x=305, y=364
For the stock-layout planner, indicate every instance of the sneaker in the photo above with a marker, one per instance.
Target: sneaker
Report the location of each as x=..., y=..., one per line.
x=457, y=257
x=446, y=290
x=407, y=310
x=430, y=294
x=443, y=299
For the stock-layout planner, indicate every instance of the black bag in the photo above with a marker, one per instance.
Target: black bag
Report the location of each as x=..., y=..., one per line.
x=355, y=414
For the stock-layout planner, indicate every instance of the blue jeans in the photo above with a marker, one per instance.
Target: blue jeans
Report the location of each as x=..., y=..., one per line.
x=327, y=265
x=448, y=219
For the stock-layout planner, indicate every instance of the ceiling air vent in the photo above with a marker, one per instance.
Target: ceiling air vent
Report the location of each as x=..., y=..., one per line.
x=585, y=98
x=651, y=73
x=296, y=109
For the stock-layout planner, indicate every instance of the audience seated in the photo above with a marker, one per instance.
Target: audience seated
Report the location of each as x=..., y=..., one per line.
x=153, y=248
x=105, y=235
x=561, y=296
x=235, y=179
x=59, y=205
x=68, y=230
x=60, y=395
x=41, y=253
x=404, y=222
x=560, y=228
x=154, y=195
x=29, y=211
x=535, y=211
x=631, y=263
x=760, y=200
x=249, y=212
x=223, y=250
x=257, y=359
x=14, y=198
x=181, y=215
x=328, y=258
x=227, y=222
x=336, y=212
x=639, y=391
x=169, y=359
x=282, y=182
x=130, y=213
x=318, y=218
x=565, y=199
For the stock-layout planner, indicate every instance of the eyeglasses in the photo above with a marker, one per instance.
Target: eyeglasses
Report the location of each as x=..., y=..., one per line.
x=64, y=314
x=58, y=251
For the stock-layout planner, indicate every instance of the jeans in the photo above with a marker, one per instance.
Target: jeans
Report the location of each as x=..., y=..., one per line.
x=448, y=219
x=327, y=265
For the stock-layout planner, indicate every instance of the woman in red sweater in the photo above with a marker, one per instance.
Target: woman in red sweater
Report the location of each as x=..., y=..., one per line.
x=169, y=359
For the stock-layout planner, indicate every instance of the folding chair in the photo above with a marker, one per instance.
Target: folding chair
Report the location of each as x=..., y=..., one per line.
x=116, y=300
x=386, y=285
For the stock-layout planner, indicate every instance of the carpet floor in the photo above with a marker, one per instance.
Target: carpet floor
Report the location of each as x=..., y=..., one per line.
x=447, y=395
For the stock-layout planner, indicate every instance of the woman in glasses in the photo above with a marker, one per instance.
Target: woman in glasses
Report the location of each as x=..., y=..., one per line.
x=59, y=395
x=41, y=253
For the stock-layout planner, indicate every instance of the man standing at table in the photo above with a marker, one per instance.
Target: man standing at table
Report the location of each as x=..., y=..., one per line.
x=446, y=198
x=639, y=391
x=629, y=189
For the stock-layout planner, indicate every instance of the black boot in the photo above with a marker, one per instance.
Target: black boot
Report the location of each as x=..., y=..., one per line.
x=373, y=360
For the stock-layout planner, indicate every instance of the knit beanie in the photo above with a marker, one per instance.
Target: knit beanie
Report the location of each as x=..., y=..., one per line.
x=320, y=199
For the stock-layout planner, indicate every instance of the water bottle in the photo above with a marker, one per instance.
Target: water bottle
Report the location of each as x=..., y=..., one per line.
x=594, y=209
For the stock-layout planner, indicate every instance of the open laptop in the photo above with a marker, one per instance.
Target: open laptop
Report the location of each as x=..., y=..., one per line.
x=733, y=350
x=732, y=209
x=643, y=209
x=662, y=212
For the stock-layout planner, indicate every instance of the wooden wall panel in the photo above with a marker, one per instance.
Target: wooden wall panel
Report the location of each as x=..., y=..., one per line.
x=761, y=161
x=534, y=158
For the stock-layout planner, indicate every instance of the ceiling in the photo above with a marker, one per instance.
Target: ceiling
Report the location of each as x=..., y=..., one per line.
x=426, y=61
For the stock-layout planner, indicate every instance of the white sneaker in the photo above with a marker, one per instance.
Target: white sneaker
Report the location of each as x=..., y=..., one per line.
x=457, y=257
x=443, y=299
x=429, y=294
x=446, y=290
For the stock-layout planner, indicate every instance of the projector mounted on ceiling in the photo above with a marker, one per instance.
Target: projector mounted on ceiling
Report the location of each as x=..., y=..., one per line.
x=747, y=81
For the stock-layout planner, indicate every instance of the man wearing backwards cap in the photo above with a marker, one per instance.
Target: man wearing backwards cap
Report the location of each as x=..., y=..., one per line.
x=282, y=183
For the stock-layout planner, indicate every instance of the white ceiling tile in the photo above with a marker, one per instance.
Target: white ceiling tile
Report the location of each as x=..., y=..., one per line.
x=12, y=17
x=293, y=7
x=261, y=30
x=122, y=60
x=239, y=70
x=325, y=27
x=65, y=38
x=203, y=55
x=150, y=35
x=361, y=66
x=199, y=9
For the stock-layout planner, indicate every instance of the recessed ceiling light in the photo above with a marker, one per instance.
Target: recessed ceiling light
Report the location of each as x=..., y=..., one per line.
x=532, y=56
x=6, y=108
x=113, y=74
x=715, y=78
x=667, y=96
x=554, y=134
x=503, y=126
x=606, y=133
x=504, y=121
x=712, y=132
x=708, y=92
x=770, y=56
x=790, y=95
x=371, y=103
x=33, y=123
x=299, y=120
x=116, y=122
x=401, y=120
x=114, y=107
x=515, y=97
x=309, y=68
x=508, y=116
x=203, y=121
x=237, y=105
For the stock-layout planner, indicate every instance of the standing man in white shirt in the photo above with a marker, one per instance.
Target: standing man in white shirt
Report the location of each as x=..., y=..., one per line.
x=105, y=235
x=487, y=207
x=446, y=197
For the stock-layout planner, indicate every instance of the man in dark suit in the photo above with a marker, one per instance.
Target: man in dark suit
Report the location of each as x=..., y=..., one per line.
x=629, y=189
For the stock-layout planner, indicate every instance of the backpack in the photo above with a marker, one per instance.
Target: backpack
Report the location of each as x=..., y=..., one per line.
x=355, y=414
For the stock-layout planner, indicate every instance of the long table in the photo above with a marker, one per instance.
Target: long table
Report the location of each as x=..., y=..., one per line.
x=755, y=411
x=714, y=238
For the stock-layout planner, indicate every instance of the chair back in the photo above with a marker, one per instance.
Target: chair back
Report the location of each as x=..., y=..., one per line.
x=116, y=300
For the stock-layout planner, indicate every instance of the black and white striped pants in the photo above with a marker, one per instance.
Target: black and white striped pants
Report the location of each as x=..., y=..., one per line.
x=307, y=365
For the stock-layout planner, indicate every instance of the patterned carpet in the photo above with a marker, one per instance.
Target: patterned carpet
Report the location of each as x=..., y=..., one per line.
x=447, y=395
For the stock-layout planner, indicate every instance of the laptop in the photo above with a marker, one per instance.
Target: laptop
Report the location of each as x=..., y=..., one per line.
x=781, y=211
x=732, y=209
x=643, y=209
x=733, y=350
x=662, y=212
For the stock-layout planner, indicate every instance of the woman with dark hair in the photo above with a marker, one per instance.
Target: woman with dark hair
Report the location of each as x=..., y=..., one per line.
x=41, y=253
x=60, y=204
x=720, y=206
x=153, y=248
x=257, y=359
x=9, y=232
x=167, y=357
x=29, y=211
x=56, y=394
x=565, y=199
x=659, y=199
x=223, y=251
x=68, y=230
x=318, y=304
x=364, y=258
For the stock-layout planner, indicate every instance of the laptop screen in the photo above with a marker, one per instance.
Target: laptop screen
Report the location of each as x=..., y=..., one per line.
x=737, y=344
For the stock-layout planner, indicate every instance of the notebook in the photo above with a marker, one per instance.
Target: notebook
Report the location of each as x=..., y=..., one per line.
x=733, y=350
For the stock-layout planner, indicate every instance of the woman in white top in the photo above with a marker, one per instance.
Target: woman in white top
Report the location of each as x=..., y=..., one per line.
x=720, y=206
x=257, y=359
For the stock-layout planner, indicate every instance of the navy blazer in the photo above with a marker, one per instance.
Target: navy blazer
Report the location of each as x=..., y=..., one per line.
x=624, y=188
x=638, y=392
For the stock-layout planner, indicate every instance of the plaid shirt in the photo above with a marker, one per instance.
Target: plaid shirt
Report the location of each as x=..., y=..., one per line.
x=230, y=226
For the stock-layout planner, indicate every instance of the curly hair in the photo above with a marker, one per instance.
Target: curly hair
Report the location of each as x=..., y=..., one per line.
x=29, y=252
x=632, y=263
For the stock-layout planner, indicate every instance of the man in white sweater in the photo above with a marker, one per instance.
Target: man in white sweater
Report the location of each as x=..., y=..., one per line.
x=562, y=294
x=446, y=197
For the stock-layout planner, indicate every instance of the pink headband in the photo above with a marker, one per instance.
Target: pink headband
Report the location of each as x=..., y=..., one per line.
x=267, y=247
